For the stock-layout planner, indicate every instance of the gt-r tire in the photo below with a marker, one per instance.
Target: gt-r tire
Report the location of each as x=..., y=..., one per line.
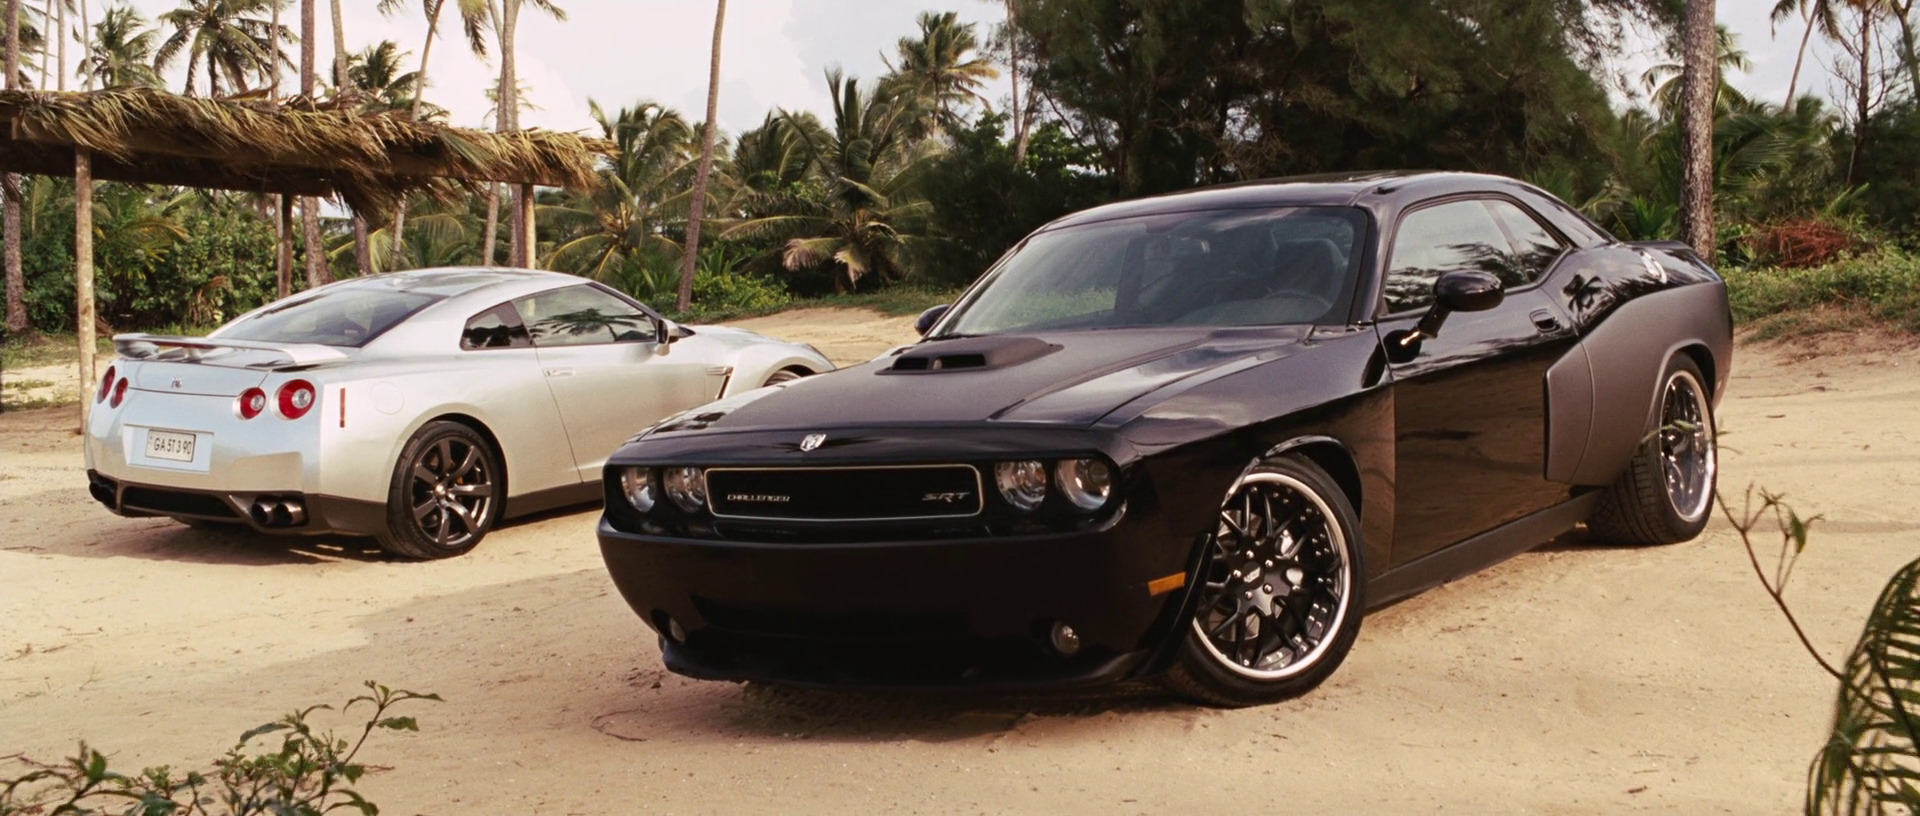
x=445, y=495
x=783, y=375
x=1666, y=494
x=1281, y=592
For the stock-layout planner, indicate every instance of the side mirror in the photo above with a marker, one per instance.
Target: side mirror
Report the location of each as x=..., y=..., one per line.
x=1457, y=291
x=924, y=323
x=662, y=332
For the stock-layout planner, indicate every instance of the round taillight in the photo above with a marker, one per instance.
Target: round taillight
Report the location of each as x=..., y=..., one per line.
x=106, y=385
x=251, y=403
x=119, y=393
x=296, y=399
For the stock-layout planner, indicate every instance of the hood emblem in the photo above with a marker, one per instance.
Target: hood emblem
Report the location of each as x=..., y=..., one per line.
x=811, y=441
x=177, y=384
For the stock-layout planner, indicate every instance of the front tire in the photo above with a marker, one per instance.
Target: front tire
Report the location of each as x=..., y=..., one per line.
x=1666, y=494
x=445, y=495
x=1281, y=592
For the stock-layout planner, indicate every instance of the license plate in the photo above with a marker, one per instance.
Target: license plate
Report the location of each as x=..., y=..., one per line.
x=170, y=445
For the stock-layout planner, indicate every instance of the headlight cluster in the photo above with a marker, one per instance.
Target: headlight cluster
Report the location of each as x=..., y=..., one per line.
x=686, y=487
x=1087, y=484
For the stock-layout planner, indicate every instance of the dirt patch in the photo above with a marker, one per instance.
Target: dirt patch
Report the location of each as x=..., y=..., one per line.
x=1573, y=679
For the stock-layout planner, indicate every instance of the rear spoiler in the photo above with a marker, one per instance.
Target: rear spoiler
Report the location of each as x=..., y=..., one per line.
x=149, y=346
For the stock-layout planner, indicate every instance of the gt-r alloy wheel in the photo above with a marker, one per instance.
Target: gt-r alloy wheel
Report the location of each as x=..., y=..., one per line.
x=445, y=494
x=1667, y=492
x=1280, y=596
x=783, y=375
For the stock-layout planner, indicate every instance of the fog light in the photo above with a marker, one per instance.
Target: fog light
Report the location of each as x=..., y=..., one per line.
x=676, y=631
x=637, y=483
x=687, y=487
x=1085, y=482
x=1065, y=640
x=1022, y=484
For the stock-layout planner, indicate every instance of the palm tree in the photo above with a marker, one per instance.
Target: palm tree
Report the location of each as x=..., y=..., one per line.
x=1663, y=81
x=942, y=67
x=318, y=272
x=869, y=209
x=121, y=53
x=699, y=211
x=473, y=21
x=505, y=16
x=234, y=45
x=374, y=75
x=627, y=221
x=10, y=188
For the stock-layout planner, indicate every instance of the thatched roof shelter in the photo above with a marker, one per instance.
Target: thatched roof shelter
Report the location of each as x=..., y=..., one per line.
x=369, y=161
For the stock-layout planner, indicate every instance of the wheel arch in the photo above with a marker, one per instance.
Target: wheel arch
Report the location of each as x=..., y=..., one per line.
x=1703, y=358
x=1330, y=455
x=474, y=424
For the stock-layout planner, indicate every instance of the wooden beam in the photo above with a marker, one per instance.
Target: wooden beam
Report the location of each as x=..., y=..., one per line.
x=283, y=247
x=83, y=276
x=524, y=243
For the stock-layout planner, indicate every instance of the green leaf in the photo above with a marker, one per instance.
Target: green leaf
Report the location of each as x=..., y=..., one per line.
x=399, y=724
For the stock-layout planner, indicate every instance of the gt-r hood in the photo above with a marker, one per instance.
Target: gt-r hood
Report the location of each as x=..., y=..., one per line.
x=1065, y=378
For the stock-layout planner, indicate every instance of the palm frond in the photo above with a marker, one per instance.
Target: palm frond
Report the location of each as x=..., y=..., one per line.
x=1871, y=763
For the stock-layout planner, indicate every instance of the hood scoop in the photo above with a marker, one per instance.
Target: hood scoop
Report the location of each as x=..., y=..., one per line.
x=969, y=354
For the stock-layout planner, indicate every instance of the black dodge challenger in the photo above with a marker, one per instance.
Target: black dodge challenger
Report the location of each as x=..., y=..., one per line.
x=1194, y=436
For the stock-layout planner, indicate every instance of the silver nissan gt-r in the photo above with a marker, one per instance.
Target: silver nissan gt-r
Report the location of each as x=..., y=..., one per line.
x=418, y=407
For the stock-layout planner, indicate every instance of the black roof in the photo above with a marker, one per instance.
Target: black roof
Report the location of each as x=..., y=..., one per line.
x=1326, y=189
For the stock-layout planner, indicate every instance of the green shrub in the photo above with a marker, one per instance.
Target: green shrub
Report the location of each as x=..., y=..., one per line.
x=718, y=295
x=307, y=775
x=1883, y=287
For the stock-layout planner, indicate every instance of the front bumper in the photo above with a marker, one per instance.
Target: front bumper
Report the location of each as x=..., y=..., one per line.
x=276, y=512
x=953, y=612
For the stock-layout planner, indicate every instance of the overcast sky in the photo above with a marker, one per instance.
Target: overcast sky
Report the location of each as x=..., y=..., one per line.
x=622, y=51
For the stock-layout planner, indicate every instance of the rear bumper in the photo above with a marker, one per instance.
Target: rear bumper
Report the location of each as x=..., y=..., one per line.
x=276, y=512
x=943, y=613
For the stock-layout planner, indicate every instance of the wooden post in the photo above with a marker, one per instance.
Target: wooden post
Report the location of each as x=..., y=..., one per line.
x=285, y=249
x=83, y=275
x=523, y=243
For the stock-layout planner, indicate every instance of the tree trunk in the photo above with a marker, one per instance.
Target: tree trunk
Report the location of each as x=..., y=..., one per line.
x=1698, y=80
x=399, y=238
x=340, y=83
x=273, y=86
x=83, y=273
x=10, y=187
x=362, y=246
x=1862, y=94
x=510, y=117
x=86, y=39
x=60, y=76
x=690, y=254
x=1798, y=60
x=317, y=272
x=1022, y=119
x=492, y=230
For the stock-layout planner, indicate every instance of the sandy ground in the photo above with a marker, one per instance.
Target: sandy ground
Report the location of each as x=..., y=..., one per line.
x=1572, y=679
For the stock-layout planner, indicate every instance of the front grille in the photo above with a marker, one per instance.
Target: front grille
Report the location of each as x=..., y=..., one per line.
x=846, y=493
x=159, y=500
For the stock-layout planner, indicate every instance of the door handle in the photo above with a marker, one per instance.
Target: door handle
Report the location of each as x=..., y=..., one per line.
x=1544, y=320
x=559, y=372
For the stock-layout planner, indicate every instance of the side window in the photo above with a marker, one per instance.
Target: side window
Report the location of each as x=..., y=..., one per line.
x=498, y=327
x=1534, y=248
x=582, y=316
x=1440, y=239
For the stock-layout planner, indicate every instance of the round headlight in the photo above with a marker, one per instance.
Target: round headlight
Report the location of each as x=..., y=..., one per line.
x=1022, y=484
x=1085, y=482
x=637, y=483
x=687, y=487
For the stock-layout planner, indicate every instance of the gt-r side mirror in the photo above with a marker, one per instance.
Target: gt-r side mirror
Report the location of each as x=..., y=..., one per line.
x=924, y=323
x=1457, y=291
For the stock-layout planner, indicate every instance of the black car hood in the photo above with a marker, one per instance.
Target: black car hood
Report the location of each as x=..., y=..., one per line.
x=1065, y=378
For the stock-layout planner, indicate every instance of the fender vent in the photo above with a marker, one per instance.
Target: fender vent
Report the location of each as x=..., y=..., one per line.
x=970, y=353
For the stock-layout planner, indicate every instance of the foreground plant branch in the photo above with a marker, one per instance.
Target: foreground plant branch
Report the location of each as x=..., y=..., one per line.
x=308, y=775
x=1793, y=541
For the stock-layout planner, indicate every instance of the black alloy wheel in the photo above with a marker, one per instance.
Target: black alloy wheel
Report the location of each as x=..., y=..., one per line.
x=1280, y=596
x=1666, y=494
x=446, y=493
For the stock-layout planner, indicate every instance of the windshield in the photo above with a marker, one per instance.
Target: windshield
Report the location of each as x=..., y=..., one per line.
x=341, y=316
x=1216, y=268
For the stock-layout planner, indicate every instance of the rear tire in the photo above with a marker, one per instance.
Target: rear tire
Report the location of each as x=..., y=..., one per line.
x=1281, y=592
x=445, y=495
x=1666, y=494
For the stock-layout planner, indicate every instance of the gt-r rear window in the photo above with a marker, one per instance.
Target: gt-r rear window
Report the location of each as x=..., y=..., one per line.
x=349, y=317
x=1215, y=268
